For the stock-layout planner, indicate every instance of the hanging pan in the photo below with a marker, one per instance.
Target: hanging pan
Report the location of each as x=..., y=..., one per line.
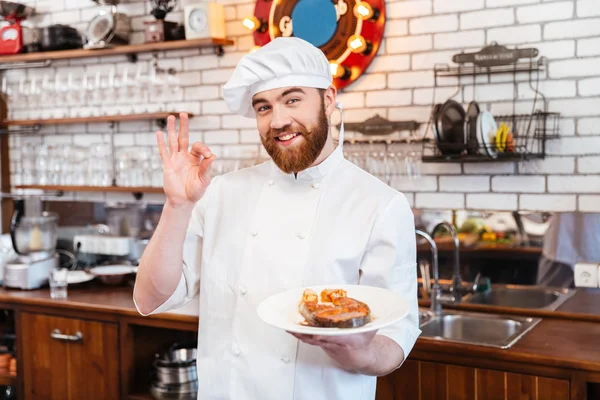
x=450, y=127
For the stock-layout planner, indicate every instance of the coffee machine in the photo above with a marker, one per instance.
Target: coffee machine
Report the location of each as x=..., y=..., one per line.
x=34, y=236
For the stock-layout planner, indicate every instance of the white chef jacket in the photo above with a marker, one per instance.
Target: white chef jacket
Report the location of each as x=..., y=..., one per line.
x=259, y=231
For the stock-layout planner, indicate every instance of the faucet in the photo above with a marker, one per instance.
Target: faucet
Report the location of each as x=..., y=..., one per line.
x=456, y=278
x=436, y=306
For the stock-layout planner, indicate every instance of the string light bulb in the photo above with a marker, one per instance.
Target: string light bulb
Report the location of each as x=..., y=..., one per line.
x=364, y=11
x=358, y=44
x=339, y=71
x=254, y=24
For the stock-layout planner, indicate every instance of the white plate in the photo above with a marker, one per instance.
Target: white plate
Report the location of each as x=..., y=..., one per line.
x=486, y=124
x=112, y=270
x=281, y=310
x=79, y=277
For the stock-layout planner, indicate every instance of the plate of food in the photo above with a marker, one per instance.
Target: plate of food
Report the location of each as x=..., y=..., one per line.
x=333, y=310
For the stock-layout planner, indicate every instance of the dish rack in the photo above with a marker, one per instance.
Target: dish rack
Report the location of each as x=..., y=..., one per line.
x=473, y=134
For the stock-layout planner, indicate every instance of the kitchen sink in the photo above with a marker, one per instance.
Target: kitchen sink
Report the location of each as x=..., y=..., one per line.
x=516, y=296
x=424, y=316
x=492, y=330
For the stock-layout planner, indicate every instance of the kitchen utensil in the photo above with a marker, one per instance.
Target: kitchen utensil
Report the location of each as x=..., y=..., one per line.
x=160, y=30
x=59, y=37
x=169, y=374
x=471, y=127
x=450, y=127
x=107, y=29
x=434, y=114
x=181, y=353
x=281, y=310
x=184, y=391
x=34, y=237
x=487, y=129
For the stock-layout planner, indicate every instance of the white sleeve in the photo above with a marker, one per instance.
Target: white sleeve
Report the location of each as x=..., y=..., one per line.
x=189, y=283
x=390, y=263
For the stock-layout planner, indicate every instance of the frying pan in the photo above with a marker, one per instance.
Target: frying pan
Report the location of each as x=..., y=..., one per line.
x=471, y=127
x=450, y=127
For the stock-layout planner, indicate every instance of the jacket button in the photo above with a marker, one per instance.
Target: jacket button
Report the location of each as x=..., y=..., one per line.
x=271, y=183
x=301, y=235
x=243, y=290
x=235, y=350
x=285, y=360
x=254, y=233
x=315, y=185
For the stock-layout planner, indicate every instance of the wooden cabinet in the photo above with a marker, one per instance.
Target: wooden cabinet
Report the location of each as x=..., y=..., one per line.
x=417, y=380
x=68, y=358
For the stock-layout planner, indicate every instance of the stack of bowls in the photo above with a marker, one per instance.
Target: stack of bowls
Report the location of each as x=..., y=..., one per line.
x=175, y=374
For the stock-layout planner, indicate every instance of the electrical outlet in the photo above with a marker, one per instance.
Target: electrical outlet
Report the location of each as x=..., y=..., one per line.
x=586, y=274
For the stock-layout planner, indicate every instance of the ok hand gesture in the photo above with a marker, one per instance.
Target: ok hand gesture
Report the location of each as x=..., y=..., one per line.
x=186, y=173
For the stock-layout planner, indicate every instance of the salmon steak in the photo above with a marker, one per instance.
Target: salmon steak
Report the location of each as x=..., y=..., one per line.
x=336, y=309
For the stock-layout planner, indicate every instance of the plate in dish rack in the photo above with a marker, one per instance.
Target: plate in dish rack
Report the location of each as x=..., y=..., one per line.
x=282, y=310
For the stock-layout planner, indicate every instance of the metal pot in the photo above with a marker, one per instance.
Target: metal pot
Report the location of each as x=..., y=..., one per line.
x=186, y=391
x=176, y=375
x=108, y=28
x=182, y=353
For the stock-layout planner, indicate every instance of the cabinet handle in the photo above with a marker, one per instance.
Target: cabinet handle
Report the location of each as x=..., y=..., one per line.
x=55, y=334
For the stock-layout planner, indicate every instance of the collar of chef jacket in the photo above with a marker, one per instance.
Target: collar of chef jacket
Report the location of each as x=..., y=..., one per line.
x=313, y=174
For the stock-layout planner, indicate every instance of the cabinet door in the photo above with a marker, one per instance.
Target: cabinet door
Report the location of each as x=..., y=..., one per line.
x=420, y=380
x=69, y=359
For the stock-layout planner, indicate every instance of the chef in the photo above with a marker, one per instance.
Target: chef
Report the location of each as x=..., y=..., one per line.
x=306, y=217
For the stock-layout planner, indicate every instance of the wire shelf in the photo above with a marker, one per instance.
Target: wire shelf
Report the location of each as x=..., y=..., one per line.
x=529, y=135
x=456, y=129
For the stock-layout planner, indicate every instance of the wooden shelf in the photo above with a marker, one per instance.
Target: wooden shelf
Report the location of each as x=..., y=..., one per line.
x=117, y=50
x=83, y=120
x=111, y=189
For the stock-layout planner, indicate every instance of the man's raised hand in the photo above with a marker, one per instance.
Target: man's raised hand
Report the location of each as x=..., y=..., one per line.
x=186, y=173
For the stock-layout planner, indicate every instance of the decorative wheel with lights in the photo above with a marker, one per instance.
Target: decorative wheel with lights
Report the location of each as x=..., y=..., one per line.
x=349, y=32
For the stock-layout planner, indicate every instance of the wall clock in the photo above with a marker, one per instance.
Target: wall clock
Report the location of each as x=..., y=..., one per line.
x=349, y=32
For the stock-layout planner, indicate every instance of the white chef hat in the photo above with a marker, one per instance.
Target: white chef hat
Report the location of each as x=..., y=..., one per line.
x=284, y=61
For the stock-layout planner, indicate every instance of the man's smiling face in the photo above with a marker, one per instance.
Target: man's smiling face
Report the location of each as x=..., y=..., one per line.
x=293, y=125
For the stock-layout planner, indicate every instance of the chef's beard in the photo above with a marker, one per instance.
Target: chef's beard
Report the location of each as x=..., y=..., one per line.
x=301, y=155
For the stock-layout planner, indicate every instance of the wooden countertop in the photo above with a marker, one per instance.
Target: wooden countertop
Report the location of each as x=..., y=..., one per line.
x=553, y=342
x=96, y=298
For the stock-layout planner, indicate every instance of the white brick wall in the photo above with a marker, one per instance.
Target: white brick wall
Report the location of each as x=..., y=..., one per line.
x=545, y=12
x=492, y=201
x=398, y=85
x=487, y=18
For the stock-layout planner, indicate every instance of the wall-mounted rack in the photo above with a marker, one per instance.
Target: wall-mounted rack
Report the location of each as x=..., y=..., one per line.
x=473, y=134
x=36, y=124
x=59, y=190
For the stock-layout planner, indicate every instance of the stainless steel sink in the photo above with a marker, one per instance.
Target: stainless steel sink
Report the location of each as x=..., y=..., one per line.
x=515, y=296
x=492, y=330
x=424, y=316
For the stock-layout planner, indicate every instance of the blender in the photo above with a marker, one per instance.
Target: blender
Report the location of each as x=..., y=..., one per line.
x=34, y=237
